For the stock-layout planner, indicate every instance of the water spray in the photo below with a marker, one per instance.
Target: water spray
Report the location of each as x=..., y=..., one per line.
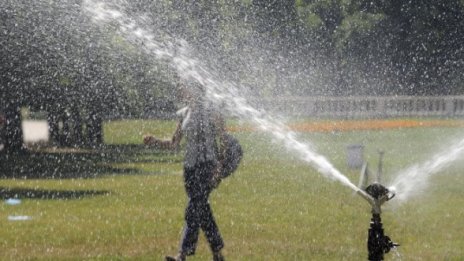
x=376, y=194
x=229, y=94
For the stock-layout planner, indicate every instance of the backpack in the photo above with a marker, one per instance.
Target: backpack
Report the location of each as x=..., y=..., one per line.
x=233, y=155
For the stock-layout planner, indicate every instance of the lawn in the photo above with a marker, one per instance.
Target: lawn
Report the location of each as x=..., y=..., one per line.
x=126, y=202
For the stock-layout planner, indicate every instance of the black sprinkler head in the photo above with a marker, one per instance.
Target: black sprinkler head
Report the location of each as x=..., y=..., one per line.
x=377, y=191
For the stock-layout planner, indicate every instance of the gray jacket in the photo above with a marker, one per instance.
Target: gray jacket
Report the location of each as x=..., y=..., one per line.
x=200, y=131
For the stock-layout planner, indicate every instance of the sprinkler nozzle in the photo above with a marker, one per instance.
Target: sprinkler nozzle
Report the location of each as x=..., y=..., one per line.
x=380, y=195
x=379, y=192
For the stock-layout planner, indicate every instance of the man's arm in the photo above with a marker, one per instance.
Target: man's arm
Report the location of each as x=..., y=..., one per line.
x=171, y=144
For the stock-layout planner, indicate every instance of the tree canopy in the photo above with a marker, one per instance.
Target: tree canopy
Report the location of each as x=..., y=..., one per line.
x=51, y=51
x=412, y=47
x=52, y=54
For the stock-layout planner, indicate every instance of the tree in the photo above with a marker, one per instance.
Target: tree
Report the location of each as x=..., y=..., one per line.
x=404, y=47
x=54, y=58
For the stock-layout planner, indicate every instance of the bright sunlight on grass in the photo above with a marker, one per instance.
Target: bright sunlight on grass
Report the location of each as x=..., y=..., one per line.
x=131, y=201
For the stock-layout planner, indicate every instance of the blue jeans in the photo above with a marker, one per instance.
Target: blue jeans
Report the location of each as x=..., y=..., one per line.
x=198, y=212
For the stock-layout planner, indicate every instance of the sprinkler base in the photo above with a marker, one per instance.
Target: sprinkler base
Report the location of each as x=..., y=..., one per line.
x=378, y=243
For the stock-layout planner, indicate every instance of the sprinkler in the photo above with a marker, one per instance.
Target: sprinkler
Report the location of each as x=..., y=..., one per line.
x=376, y=194
x=378, y=243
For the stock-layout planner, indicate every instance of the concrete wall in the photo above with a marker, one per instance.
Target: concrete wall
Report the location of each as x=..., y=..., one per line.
x=367, y=107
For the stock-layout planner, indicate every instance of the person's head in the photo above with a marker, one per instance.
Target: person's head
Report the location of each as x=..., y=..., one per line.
x=191, y=92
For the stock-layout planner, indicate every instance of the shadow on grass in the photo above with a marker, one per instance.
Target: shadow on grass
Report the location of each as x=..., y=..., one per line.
x=22, y=193
x=62, y=163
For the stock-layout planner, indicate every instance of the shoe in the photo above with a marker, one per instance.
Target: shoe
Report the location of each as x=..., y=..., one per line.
x=179, y=257
x=218, y=257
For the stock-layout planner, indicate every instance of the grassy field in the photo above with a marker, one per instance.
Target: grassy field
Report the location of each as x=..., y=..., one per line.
x=127, y=202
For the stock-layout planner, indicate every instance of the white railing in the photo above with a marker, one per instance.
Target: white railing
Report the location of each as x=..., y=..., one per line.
x=367, y=107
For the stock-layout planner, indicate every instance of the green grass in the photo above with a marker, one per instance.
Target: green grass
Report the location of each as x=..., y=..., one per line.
x=273, y=208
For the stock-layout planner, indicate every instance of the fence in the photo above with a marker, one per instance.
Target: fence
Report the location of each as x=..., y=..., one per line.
x=368, y=107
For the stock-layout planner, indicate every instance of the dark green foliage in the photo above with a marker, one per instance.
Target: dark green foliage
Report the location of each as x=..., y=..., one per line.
x=54, y=58
x=413, y=46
